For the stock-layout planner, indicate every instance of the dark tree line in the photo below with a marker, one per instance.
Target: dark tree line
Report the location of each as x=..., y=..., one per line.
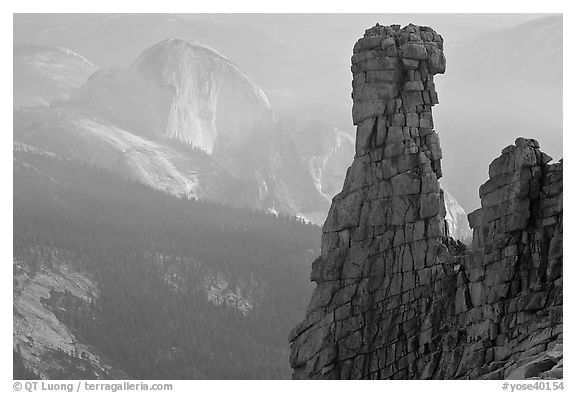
x=117, y=230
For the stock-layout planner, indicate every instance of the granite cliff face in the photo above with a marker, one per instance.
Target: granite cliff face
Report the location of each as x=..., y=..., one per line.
x=182, y=91
x=396, y=296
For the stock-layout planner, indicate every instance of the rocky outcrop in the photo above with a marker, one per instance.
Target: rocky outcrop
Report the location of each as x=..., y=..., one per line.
x=396, y=296
x=510, y=285
x=43, y=340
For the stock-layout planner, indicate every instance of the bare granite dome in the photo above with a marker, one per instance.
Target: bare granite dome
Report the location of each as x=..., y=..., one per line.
x=213, y=102
x=180, y=90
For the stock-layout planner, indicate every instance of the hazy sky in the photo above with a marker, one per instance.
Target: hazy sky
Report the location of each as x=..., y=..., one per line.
x=294, y=28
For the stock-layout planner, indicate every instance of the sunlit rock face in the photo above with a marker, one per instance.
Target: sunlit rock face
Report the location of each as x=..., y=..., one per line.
x=165, y=165
x=45, y=342
x=397, y=297
x=213, y=102
x=43, y=74
x=183, y=91
x=457, y=219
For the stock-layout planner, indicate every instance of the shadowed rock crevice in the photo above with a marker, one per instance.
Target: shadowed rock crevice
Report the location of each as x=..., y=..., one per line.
x=396, y=297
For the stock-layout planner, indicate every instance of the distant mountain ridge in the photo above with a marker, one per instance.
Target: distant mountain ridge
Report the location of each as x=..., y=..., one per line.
x=139, y=122
x=506, y=54
x=43, y=74
x=147, y=121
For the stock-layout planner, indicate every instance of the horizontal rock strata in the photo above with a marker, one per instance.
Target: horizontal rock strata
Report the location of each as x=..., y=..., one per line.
x=396, y=297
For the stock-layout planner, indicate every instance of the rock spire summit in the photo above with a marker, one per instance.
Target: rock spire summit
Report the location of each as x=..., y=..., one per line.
x=396, y=296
